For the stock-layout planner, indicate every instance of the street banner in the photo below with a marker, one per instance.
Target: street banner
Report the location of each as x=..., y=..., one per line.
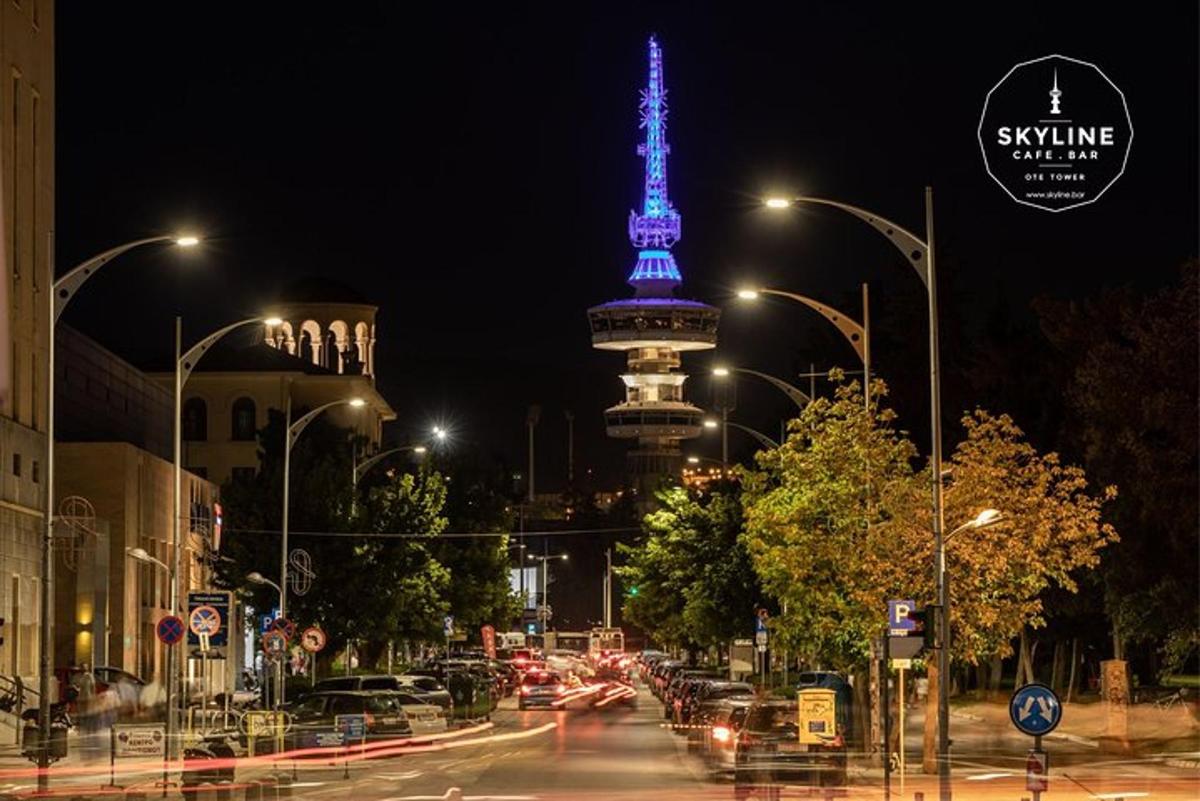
x=489, y=641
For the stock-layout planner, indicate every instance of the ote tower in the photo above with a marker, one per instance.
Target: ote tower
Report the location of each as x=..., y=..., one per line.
x=654, y=327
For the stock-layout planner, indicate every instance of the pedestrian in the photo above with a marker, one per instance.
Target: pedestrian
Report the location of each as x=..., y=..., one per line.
x=85, y=708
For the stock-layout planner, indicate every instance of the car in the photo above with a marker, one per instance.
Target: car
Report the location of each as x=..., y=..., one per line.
x=718, y=739
x=680, y=680
x=768, y=749
x=423, y=718
x=541, y=688
x=427, y=688
x=698, y=708
x=315, y=719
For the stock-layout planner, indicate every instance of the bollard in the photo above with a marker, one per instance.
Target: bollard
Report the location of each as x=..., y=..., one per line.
x=252, y=792
x=283, y=786
x=918, y=796
x=134, y=795
x=224, y=792
x=268, y=789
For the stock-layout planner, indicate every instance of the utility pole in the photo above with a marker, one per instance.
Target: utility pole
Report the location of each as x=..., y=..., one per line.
x=531, y=421
x=608, y=588
x=570, y=448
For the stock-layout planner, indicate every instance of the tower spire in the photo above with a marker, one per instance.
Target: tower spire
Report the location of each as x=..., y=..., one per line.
x=657, y=228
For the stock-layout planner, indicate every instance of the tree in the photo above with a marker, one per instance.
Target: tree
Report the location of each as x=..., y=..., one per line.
x=1132, y=391
x=695, y=585
x=836, y=552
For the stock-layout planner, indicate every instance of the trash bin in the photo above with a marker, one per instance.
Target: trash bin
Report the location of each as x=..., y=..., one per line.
x=31, y=740
x=463, y=690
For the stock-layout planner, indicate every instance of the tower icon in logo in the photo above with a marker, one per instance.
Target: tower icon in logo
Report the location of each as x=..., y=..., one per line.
x=1055, y=94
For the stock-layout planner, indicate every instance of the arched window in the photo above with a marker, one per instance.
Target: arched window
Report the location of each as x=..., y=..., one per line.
x=195, y=420
x=243, y=419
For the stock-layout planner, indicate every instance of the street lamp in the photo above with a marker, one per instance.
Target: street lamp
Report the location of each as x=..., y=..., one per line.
x=920, y=254
x=61, y=292
x=366, y=464
x=292, y=433
x=859, y=336
x=794, y=394
x=545, y=583
x=762, y=438
x=985, y=519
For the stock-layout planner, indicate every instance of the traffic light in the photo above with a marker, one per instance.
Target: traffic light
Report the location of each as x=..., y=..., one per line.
x=633, y=590
x=926, y=624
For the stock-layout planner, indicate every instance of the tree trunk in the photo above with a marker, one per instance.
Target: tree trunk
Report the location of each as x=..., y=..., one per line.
x=862, y=702
x=875, y=729
x=1074, y=665
x=997, y=673
x=370, y=652
x=1056, y=668
x=1024, y=661
x=929, y=758
x=981, y=678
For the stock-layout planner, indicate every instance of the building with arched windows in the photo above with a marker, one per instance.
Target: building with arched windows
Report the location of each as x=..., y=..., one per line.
x=322, y=350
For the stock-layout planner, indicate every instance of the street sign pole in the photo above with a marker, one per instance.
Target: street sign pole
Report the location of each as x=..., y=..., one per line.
x=900, y=698
x=884, y=681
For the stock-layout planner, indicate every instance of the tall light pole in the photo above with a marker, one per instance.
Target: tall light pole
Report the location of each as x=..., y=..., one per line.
x=859, y=336
x=61, y=292
x=545, y=559
x=292, y=432
x=920, y=254
x=259, y=578
x=531, y=421
x=185, y=363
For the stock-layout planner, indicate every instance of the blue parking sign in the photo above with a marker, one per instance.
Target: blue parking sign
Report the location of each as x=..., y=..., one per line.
x=899, y=623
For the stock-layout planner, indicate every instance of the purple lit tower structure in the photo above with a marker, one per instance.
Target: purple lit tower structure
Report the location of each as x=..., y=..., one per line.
x=654, y=327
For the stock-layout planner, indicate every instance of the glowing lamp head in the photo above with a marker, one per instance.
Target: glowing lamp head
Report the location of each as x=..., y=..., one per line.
x=747, y=294
x=986, y=518
x=721, y=372
x=711, y=423
x=187, y=241
x=419, y=450
x=693, y=460
x=138, y=553
x=255, y=578
x=357, y=403
x=777, y=203
x=440, y=433
x=273, y=321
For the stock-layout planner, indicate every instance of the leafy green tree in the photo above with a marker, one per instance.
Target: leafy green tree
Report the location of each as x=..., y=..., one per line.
x=695, y=585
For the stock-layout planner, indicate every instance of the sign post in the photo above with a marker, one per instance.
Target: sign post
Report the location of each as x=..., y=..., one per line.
x=1035, y=710
x=312, y=640
x=760, y=641
x=448, y=630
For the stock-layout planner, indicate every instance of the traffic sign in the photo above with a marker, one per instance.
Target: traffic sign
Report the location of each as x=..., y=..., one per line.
x=1035, y=710
x=274, y=643
x=1037, y=765
x=170, y=629
x=222, y=603
x=760, y=620
x=902, y=664
x=448, y=625
x=204, y=620
x=285, y=627
x=899, y=624
x=312, y=639
x=760, y=638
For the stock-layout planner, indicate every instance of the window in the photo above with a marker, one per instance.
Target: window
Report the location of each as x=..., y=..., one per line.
x=35, y=110
x=195, y=420
x=35, y=471
x=17, y=465
x=243, y=475
x=243, y=419
x=16, y=149
x=199, y=472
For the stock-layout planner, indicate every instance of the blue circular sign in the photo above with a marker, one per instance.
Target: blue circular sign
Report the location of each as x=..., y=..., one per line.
x=170, y=629
x=1035, y=710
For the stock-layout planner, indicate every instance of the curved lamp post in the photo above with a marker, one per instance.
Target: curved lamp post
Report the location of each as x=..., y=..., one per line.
x=794, y=394
x=762, y=438
x=544, y=559
x=920, y=254
x=366, y=464
x=61, y=292
x=859, y=336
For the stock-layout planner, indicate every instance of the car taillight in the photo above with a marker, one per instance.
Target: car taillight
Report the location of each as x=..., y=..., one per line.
x=559, y=689
x=524, y=689
x=370, y=720
x=721, y=734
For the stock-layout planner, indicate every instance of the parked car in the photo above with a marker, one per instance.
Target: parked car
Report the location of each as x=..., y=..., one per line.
x=423, y=718
x=698, y=707
x=314, y=719
x=427, y=688
x=768, y=749
x=718, y=739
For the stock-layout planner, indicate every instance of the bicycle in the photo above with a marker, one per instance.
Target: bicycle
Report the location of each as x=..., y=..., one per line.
x=1169, y=701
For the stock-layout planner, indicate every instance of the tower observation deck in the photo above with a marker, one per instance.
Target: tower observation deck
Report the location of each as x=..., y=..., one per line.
x=654, y=327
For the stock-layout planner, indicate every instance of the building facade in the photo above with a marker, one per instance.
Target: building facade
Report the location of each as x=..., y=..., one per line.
x=26, y=222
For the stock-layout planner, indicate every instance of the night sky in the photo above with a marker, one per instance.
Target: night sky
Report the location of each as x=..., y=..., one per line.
x=472, y=171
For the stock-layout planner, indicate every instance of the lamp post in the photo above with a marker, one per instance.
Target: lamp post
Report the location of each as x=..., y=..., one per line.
x=545, y=559
x=364, y=465
x=61, y=292
x=259, y=578
x=797, y=396
x=185, y=363
x=762, y=438
x=859, y=336
x=292, y=433
x=920, y=254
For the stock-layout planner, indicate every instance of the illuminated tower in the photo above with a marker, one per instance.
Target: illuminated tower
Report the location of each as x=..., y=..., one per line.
x=654, y=327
